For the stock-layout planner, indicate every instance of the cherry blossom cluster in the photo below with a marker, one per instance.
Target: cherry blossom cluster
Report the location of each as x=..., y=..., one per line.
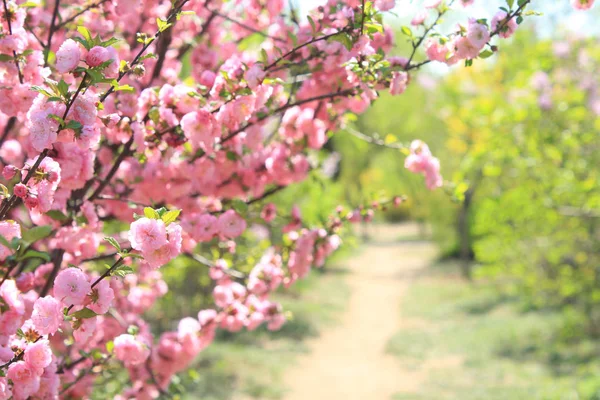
x=138, y=131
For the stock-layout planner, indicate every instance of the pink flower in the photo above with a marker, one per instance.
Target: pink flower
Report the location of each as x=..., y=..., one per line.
x=505, y=28
x=71, y=286
x=38, y=355
x=20, y=190
x=582, y=4
x=207, y=78
x=421, y=161
x=9, y=172
x=419, y=18
x=466, y=3
x=254, y=76
x=43, y=129
x=97, y=55
x=101, y=297
x=5, y=391
x=200, y=128
x=159, y=257
x=25, y=380
x=201, y=227
x=231, y=224
x=147, y=234
x=47, y=315
x=385, y=5
x=130, y=349
x=269, y=212
x=477, y=34
x=399, y=82
x=67, y=56
x=83, y=330
x=436, y=50
x=9, y=230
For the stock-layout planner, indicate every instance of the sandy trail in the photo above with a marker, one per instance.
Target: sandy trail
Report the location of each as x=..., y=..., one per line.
x=349, y=360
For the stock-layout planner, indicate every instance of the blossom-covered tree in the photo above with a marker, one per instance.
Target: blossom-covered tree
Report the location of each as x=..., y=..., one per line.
x=170, y=122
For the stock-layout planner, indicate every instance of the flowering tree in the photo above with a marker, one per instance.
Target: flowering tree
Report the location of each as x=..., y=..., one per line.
x=154, y=127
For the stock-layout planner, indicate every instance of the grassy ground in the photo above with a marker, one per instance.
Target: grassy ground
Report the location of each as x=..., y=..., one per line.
x=250, y=365
x=471, y=343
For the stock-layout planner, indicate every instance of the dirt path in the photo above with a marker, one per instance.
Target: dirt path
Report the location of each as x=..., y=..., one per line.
x=349, y=360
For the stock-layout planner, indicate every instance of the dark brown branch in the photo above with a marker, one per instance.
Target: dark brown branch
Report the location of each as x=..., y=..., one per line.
x=51, y=32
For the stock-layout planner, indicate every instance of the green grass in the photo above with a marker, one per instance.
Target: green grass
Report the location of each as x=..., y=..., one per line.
x=498, y=351
x=250, y=365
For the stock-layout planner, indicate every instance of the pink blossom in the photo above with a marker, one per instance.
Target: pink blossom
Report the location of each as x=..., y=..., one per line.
x=231, y=224
x=47, y=315
x=505, y=28
x=96, y=56
x=147, y=234
x=419, y=18
x=436, y=50
x=9, y=172
x=9, y=230
x=421, y=161
x=101, y=297
x=385, y=5
x=582, y=4
x=269, y=212
x=83, y=330
x=200, y=128
x=71, y=286
x=477, y=34
x=25, y=380
x=130, y=349
x=158, y=257
x=67, y=56
x=399, y=82
x=38, y=355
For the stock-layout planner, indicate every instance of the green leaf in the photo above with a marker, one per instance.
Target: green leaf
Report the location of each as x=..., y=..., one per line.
x=170, y=216
x=110, y=346
x=87, y=41
x=510, y=3
x=231, y=156
x=28, y=4
x=41, y=90
x=83, y=31
x=239, y=205
x=83, y=314
x=113, y=242
x=63, y=88
x=122, y=271
x=131, y=255
x=486, y=54
x=57, y=215
x=342, y=38
x=109, y=42
x=75, y=125
x=312, y=24
x=5, y=57
x=151, y=213
x=162, y=24
x=35, y=254
x=37, y=233
x=406, y=30
x=4, y=190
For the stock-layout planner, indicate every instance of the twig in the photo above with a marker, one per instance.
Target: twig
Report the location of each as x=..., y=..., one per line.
x=73, y=17
x=51, y=32
x=7, y=16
